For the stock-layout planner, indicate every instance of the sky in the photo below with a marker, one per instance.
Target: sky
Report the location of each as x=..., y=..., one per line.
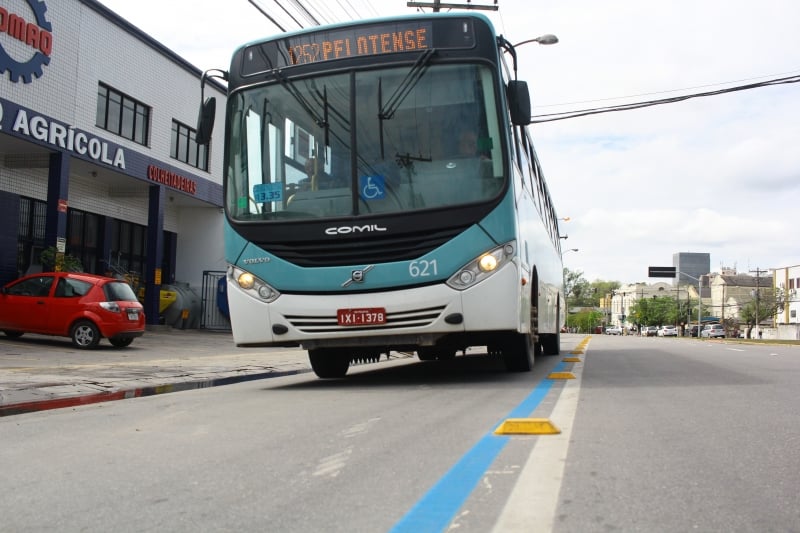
x=717, y=174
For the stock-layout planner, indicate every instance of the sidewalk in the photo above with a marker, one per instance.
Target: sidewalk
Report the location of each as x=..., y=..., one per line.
x=39, y=373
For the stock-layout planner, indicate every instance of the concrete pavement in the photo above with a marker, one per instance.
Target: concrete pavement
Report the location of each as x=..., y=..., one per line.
x=39, y=373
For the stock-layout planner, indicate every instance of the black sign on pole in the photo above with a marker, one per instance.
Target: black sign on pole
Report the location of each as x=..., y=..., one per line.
x=661, y=272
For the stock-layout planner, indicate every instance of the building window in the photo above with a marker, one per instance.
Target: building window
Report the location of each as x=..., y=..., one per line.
x=83, y=231
x=184, y=146
x=31, y=234
x=122, y=115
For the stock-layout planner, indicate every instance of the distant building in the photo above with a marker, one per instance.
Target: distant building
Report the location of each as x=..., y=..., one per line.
x=690, y=267
x=787, y=289
x=730, y=293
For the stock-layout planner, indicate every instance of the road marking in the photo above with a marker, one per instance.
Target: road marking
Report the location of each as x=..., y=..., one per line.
x=534, y=499
x=734, y=349
x=438, y=507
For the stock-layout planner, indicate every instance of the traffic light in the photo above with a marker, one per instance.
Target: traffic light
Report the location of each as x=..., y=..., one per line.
x=661, y=272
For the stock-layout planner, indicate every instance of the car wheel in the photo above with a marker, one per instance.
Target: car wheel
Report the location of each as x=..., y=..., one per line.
x=121, y=343
x=85, y=334
x=12, y=334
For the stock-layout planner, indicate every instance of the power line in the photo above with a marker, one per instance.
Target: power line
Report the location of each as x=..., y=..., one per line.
x=304, y=12
x=275, y=22
x=667, y=91
x=552, y=117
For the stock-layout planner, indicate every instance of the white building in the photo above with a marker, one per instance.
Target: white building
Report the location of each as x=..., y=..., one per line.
x=97, y=151
x=787, y=289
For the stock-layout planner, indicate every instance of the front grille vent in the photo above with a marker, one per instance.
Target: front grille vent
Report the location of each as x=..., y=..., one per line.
x=404, y=319
x=362, y=249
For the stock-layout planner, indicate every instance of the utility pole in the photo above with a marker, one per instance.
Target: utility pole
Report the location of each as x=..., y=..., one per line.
x=758, y=273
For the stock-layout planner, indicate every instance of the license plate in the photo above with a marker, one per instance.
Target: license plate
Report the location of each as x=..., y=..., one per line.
x=133, y=315
x=361, y=316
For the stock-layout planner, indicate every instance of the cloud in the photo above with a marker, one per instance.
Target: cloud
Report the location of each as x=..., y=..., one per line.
x=716, y=174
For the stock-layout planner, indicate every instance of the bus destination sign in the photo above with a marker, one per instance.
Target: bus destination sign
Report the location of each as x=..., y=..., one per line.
x=359, y=41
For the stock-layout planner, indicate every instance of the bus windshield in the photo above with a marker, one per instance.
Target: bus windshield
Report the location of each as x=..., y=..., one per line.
x=393, y=140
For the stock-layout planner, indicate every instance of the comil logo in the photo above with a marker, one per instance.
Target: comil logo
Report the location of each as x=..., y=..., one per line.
x=26, y=41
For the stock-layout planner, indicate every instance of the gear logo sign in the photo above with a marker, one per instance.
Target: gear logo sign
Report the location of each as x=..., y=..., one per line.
x=36, y=36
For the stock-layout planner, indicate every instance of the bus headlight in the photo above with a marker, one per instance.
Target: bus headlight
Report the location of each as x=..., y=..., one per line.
x=482, y=267
x=252, y=285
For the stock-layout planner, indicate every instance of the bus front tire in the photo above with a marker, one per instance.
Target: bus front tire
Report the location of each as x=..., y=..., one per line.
x=329, y=362
x=435, y=354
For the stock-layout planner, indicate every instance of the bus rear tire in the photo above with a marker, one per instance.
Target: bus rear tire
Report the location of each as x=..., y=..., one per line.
x=551, y=343
x=329, y=362
x=519, y=353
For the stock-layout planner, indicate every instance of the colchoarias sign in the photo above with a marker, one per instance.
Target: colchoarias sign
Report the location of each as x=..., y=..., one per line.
x=26, y=41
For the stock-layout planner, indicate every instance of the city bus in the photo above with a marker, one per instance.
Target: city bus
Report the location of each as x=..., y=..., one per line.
x=382, y=194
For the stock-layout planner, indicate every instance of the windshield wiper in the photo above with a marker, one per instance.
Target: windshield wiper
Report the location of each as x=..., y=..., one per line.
x=386, y=111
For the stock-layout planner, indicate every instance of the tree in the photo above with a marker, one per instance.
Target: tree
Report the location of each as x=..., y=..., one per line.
x=584, y=298
x=763, y=306
x=581, y=293
x=53, y=260
x=658, y=311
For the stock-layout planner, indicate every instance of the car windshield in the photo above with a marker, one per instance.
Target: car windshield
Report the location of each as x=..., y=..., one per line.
x=424, y=144
x=119, y=291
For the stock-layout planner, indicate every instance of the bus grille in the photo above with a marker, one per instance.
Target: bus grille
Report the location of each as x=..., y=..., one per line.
x=362, y=249
x=404, y=319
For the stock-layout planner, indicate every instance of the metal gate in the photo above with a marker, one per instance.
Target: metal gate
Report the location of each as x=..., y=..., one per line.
x=214, y=302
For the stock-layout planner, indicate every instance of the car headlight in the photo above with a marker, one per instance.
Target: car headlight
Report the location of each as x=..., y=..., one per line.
x=252, y=285
x=482, y=267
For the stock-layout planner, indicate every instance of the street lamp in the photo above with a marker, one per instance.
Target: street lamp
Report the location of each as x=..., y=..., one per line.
x=547, y=38
x=570, y=250
x=699, y=302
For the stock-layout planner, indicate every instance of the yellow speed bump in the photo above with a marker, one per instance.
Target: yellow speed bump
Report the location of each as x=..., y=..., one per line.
x=527, y=426
x=561, y=375
x=572, y=360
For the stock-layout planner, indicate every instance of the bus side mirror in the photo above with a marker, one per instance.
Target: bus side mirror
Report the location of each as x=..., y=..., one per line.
x=519, y=103
x=205, y=120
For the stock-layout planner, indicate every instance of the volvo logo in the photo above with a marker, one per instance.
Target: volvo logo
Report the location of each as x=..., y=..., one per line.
x=346, y=230
x=357, y=276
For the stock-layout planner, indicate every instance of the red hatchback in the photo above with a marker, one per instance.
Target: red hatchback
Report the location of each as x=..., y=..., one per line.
x=83, y=307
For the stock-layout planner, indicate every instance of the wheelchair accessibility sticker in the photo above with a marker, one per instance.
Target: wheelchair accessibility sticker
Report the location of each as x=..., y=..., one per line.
x=372, y=187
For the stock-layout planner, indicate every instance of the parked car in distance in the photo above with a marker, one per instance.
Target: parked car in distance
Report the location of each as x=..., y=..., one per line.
x=649, y=331
x=613, y=330
x=83, y=307
x=667, y=331
x=712, y=331
x=692, y=330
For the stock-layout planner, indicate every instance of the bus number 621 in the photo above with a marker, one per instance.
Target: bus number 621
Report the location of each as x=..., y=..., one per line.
x=423, y=268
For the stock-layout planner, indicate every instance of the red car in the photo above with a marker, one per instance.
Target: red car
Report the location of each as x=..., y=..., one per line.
x=83, y=307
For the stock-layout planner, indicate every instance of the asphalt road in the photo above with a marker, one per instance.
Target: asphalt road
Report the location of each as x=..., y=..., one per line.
x=656, y=435
x=684, y=435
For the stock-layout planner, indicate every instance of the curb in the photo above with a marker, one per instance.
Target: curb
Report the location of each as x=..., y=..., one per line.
x=140, y=392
